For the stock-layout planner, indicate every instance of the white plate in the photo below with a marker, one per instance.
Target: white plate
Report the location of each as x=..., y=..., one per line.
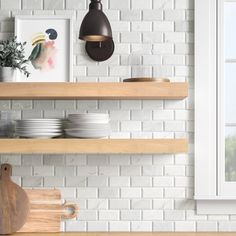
x=37, y=136
x=37, y=123
x=39, y=130
x=88, y=134
x=38, y=127
x=90, y=115
x=87, y=126
x=39, y=120
x=90, y=121
x=37, y=133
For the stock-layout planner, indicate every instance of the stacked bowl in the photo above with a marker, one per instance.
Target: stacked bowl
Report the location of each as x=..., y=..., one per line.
x=39, y=128
x=91, y=125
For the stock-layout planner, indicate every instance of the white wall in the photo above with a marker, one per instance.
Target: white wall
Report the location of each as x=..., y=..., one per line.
x=122, y=192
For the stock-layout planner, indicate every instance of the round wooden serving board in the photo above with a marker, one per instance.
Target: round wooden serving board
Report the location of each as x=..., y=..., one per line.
x=14, y=203
x=147, y=79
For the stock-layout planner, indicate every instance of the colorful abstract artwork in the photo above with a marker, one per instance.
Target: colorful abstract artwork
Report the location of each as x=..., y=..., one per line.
x=43, y=55
x=49, y=47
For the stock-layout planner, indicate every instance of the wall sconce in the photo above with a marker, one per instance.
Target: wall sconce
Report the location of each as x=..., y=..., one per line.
x=96, y=31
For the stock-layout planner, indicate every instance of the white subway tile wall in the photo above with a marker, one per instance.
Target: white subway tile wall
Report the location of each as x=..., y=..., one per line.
x=122, y=192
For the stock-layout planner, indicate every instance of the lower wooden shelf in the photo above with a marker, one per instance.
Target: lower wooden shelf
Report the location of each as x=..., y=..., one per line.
x=131, y=234
x=93, y=146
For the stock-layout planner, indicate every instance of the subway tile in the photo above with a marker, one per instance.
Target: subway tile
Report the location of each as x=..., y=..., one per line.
x=119, y=226
x=187, y=226
x=141, y=226
x=12, y=4
x=21, y=104
x=152, y=192
x=175, y=170
x=97, y=204
x=109, y=215
x=130, y=104
x=75, y=4
x=152, y=37
x=32, y=4
x=43, y=170
x=184, y=4
x=87, y=170
x=174, y=215
x=141, y=204
x=72, y=226
x=130, y=192
x=174, y=193
x=53, y=4
x=52, y=181
x=65, y=171
x=85, y=215
x=119, y=204
x=109, y=193
x=32, y=181
x=163, y=26
x=75, y=159
x=163, y=226
x=97, y=226
x=140, y=4
x=174, y=15
x=141, y=181
x=152, y=215
x=97, y=181
x=130, y=15
x=87, y=192
x=163, y=204
x=152, y=15
x=120, y=181
x=142, y=160
x=78, y=181
x=163, y=4
x=54, y=159
x=109, y=170
x=32, y=160
x=124, y=4
x=130, y=215
x=143, y=26
x=207, y=226
x=152, y=126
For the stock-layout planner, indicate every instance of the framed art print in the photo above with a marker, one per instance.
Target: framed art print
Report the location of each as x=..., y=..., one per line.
x=48, y=47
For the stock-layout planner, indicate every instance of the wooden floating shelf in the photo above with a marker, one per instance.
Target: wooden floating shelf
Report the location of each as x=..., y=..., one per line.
x=134, y=90
x=93, y=146
x=130, y=234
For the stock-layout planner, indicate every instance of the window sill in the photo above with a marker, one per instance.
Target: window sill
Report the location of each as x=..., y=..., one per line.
x=216, y=206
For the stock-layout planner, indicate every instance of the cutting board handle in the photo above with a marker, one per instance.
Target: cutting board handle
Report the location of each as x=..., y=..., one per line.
x=6, y=171
x=72, y=210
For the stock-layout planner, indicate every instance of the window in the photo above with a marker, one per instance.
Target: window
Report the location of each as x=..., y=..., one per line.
x=215, y=106
x=227, y=99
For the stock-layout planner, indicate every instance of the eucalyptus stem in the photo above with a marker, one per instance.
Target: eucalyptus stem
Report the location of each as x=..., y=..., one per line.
x=12, y=54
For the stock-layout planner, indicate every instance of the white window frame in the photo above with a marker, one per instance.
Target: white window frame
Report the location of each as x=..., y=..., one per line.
x=208, y=174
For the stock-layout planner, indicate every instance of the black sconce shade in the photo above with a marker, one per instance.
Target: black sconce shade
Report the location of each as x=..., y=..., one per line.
x=95, y=27
x=96, y=31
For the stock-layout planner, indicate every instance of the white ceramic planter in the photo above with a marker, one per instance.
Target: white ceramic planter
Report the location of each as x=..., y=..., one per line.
x=7, y=74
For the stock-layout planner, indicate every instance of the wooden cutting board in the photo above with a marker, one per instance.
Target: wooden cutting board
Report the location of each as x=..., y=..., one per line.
x=14, y=203
x=147, y=79
x=47, y=211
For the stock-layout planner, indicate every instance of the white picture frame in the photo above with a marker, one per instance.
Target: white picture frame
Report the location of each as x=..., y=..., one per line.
x=49, y=45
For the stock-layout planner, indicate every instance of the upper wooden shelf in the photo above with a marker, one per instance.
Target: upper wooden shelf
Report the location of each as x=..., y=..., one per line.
x=134, y=90
x=93, y=146
x=130, y=234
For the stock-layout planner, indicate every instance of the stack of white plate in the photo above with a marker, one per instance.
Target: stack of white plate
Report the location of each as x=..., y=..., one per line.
x=89, y=125
x=39, y=128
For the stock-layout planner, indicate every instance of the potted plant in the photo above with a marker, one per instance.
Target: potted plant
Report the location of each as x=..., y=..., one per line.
x=12, y=57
